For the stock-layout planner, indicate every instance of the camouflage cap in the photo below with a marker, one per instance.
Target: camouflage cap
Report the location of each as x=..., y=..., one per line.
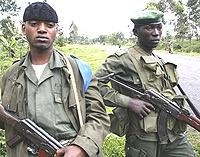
x=40, y=11
x=148, y=16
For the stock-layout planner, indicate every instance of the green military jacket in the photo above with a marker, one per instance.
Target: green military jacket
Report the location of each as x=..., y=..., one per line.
x=136, y=68
x=96, y=121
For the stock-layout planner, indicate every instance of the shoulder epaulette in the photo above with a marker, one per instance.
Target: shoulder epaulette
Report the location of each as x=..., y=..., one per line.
x=120, y=52
x=15, y=61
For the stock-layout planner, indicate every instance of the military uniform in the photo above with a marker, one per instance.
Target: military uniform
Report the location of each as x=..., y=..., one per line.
x=138, y=69
x=55, y=111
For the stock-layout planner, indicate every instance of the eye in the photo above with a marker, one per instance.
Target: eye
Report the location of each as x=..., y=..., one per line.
x=159, y=28
x=50, y=25
x=148, y=27
x=33, y=23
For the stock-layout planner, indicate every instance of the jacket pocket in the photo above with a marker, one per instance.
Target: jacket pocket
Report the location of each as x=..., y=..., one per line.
x=130, y=149
x=149, y=123
x=9, y=98
x=151, y=64
x=119, y=121
x=171, y=73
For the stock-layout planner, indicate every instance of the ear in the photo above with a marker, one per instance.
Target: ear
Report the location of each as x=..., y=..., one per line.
x=135, y=31
x=56, y=29
x=24, y=29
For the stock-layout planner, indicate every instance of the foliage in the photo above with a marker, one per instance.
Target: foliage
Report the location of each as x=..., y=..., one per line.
x=194, y=139
x=2, y=143
x=181, y=46
x=194, y=16
x=60, y=40
x=113, y=146
x=73, y=34
x=13, y=42
x=4, y=26
x=165, y=5
x=151, y=6
x=9, y=6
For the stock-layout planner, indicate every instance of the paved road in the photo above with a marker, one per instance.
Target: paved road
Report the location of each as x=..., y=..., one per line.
x=188, y=68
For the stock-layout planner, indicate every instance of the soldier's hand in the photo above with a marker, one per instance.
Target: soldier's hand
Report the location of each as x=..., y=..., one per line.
x=140, y=107
x=71, y=151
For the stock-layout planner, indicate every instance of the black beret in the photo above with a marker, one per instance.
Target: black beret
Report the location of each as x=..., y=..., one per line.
x=40, y=11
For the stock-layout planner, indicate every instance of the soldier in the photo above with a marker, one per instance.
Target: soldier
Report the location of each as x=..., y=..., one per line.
x=39, y=87
x=171, y=47
x=140, y=68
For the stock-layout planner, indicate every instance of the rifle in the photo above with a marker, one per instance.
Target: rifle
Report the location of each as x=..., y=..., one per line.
x=166, y=107
x=35, y=136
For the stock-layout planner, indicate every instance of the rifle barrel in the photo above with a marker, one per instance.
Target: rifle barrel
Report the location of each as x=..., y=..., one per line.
x=194, y=109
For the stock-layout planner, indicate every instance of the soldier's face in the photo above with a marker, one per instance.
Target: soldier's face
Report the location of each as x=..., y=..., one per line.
x=40, y=34
x=149, y=35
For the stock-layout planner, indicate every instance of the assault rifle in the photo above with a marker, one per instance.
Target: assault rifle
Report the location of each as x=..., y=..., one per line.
x=165, y=106
x=36, y=137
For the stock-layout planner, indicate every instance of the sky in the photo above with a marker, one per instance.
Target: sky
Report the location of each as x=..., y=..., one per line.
x=94, y=17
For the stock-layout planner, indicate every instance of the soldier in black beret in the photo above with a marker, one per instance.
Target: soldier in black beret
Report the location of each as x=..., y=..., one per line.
x=139, y=67
x=57, y=92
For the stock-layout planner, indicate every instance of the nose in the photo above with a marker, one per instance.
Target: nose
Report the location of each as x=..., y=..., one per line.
x=41, y=28
x=155, y=31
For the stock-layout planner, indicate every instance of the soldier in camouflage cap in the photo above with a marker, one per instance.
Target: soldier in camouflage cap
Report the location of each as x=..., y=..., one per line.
x=139, y=67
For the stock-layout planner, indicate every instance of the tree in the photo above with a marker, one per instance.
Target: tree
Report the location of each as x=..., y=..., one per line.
x=12, y=43
x=166, y=5
x=73, y=34
x=9, y=6
x=103, y=39
x=181, y=24
x=151, y=6
x=60, y=40
x=194, y=16
x=4, y=26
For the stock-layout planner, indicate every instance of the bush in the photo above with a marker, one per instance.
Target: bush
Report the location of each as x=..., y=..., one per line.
x=113, y=146
x=2, y=143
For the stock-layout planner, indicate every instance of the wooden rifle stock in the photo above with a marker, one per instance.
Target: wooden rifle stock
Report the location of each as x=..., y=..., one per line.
x=42, y=153
x=193, y=121
x=7, y=118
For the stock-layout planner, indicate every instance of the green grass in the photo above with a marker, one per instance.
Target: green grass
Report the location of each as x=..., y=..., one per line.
x=92, y=56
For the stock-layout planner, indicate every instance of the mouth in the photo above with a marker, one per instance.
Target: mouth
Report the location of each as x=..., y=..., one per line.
x=42, y=38
x=155, y=41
